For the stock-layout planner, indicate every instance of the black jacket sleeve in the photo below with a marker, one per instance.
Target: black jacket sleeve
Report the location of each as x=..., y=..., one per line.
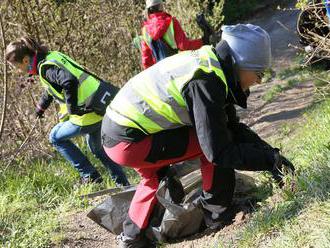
x=206, y=100
x=62, y=80
x=233, y=119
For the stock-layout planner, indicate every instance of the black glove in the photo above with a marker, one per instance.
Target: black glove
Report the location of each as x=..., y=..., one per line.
x=39, y=113
x=206, y=39
x=205, y=27
x=173, y=184
x=175, y=188
x=281, y=167
x=81, y=111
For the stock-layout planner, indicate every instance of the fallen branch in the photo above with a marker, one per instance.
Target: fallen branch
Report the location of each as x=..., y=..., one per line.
x=106, y=192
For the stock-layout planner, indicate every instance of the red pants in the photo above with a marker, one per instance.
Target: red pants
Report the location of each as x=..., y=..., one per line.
x=134, y=155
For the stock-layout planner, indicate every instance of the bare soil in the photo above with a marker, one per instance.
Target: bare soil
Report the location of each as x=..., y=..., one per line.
x=265, y=118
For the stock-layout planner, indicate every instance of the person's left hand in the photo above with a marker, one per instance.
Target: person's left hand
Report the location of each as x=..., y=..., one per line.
x=82, y=111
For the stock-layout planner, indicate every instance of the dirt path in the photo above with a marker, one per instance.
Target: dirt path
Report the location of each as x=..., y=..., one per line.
x=265, y=118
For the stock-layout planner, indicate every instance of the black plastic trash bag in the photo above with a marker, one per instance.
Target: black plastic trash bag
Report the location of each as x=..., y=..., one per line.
x=111, y=213
x=169, y=221
x=176, y=220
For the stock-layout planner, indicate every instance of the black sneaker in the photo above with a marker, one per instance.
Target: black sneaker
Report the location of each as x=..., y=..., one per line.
x=94, y=178
x=216, y=221
x=127, y=242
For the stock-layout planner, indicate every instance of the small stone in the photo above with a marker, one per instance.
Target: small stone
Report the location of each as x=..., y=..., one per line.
x=239, y=217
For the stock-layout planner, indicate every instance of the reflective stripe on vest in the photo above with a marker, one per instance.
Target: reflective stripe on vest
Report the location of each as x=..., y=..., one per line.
x=87, y=85
x=169, y=36
x=152, y=101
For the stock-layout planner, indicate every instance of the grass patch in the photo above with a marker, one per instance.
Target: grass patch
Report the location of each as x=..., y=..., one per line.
x=289, y=72
x=272, y=93
x=35, y=196
x=296, y=75
x=30, y=201
x=302, y=218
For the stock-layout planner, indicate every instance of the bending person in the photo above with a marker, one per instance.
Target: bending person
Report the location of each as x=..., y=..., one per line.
x=79, y=94
x=183, y=108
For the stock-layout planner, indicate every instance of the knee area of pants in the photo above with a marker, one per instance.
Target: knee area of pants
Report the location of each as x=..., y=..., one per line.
x=52, y=137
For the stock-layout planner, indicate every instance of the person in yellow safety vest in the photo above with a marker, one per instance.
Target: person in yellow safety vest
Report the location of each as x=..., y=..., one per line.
x=83, y=98
x=183, y=108
x=162, y=35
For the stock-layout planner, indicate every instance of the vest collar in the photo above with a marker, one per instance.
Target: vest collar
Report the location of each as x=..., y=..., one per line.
x=40, y=59
x=236, y=94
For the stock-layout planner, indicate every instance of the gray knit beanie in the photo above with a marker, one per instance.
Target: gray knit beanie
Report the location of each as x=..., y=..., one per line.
x=250, y=45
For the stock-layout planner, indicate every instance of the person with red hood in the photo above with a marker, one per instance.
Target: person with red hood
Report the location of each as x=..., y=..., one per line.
x=163, y=36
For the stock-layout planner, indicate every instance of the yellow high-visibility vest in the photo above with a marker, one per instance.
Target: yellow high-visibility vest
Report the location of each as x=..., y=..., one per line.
x=152, y=101
x=88, y=85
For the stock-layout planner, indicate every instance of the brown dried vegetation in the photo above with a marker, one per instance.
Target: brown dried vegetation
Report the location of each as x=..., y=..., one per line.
x=96, y=33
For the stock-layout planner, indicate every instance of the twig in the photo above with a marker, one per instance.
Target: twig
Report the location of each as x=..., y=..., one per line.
x=322, y=79
x=21, y=146
x=32, y=99
x=313, y=30
x=295, y=47
x=317, y=49
x=283, y=26
x=46, y=153
x=4, y=107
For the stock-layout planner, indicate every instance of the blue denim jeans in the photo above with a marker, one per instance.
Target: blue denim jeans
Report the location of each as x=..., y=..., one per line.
x=60, y=137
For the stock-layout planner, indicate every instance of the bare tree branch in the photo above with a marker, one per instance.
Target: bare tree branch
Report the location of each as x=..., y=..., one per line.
x=4, y=107
x=21, y=146
x=313, y=29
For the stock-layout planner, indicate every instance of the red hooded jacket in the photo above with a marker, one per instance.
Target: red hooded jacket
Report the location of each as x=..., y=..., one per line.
x=157, y=25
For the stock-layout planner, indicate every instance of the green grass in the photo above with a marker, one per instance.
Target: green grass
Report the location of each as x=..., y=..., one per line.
x=30, y=200
x=294, y=76
x=272, y=93
x=35, y=197
x=300, y=218
x=32, y=197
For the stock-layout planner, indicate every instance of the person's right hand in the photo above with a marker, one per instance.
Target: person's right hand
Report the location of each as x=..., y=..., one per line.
x=281, y=167
x=39, y=113
x=205, y=27
x=206, y=39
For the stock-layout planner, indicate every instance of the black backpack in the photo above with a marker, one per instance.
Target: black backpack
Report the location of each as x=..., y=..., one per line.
x=161, y=50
